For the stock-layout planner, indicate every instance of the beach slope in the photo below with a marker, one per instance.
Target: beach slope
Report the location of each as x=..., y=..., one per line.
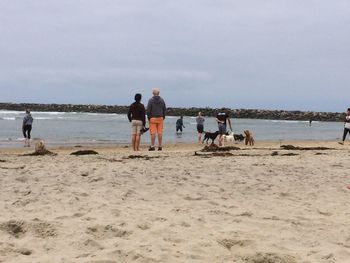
x=255, y=204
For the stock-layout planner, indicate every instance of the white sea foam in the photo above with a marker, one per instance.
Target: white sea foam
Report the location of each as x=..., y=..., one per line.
x=7, y=112
x=45, y=118
x=48, y=112
x=288, y=121
x=8, y=118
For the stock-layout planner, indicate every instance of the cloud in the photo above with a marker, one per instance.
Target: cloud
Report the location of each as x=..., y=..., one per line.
x=256, y=54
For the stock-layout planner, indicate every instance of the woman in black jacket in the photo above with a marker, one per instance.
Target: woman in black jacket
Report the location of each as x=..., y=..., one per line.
x=137, y=117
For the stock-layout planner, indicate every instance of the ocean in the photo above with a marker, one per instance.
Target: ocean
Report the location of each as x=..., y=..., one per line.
x=75, y=128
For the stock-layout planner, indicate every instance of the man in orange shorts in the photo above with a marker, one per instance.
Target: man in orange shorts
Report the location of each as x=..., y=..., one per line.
x=156, y=114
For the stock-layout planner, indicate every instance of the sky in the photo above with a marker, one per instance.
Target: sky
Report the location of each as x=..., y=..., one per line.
x=271, y=54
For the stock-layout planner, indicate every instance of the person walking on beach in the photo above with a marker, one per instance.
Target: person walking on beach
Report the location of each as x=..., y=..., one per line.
x=180, y=124
x=27, y=127
x=137, y=117
x=200, y=126
x=156, y=109
x=222, y=118
x=346, y=126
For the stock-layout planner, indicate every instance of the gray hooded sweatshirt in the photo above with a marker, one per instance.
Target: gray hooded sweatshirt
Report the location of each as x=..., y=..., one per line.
x=156, y=107
x=28, y=119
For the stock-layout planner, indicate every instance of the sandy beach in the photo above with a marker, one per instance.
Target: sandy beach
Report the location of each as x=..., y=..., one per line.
x=258, y=204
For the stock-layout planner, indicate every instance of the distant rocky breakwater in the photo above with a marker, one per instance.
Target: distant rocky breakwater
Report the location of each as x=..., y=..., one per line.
x=235, y=113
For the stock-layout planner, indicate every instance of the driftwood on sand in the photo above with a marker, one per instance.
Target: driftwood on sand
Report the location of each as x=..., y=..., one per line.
x=145, y=157
x=84, y=152
x=214, y=150
x=40, y=153
x=292, y=147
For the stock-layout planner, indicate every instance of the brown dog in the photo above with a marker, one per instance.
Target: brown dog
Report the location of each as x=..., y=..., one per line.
x=249, y=138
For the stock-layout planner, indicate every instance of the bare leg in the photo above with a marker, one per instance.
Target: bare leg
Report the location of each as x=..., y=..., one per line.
x=133, y=141
x=137, y=142
x=160, y=139
x=153, y=139
x=220, y=139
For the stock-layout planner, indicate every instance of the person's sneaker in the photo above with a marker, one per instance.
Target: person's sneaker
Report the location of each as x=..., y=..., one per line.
x=151, y=148
x=160, y=148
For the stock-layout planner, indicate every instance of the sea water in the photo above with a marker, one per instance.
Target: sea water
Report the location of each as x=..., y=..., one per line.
x=75, y=128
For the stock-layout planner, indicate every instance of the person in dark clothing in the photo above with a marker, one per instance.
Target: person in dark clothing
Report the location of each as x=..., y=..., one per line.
x=180, y=124
x=222, y=118
x=137, y=117
x=346, y=126
x=27, y=127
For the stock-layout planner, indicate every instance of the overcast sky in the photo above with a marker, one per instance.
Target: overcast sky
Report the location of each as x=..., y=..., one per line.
x=281, y=54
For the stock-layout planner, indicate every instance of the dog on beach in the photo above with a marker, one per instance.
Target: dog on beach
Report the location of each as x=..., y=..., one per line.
x=249, y=138
x=238, y=137
x=40, y=146
x=229, y=137
x=210, y=135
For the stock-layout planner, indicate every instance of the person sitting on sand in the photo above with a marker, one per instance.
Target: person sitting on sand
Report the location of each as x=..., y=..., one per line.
x=156, y=114
x=180, y=124
x=200, y=126
x=27, y=127
x=346, y=126
x=137, y=117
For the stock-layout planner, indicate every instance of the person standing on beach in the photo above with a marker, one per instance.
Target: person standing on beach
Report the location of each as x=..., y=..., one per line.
x=156, y=109
x=137, y=117
x=180, y=124
x=222, y=118
x=346, y=126
x=27, y=127
x=200, y=126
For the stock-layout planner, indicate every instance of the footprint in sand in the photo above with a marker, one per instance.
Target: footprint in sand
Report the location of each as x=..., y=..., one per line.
x=43, y=229
x=108, y=231
x=18, y=228
x=102, y=261
x=269, y=257
x=92, y=245
x=24, y=251
x=15, y=228
x=9, y=248
x=143, y=226
x=229, y=243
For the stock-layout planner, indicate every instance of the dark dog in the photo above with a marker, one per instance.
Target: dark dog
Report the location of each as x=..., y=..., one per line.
x=238, y=137
x=210, y=135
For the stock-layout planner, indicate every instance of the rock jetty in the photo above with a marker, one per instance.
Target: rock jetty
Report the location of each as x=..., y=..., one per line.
x=235, y=113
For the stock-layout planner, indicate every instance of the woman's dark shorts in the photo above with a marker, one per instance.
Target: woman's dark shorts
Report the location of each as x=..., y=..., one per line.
x=200, y=128
x=222, y=129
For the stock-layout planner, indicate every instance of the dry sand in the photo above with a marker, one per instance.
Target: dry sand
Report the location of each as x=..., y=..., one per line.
x=254, y=206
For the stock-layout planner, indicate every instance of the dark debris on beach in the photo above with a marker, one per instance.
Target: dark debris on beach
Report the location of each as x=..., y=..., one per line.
x=292, y=147
x=214, y=148
x=40, y=153
x=146, y=157
x=84, y=152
